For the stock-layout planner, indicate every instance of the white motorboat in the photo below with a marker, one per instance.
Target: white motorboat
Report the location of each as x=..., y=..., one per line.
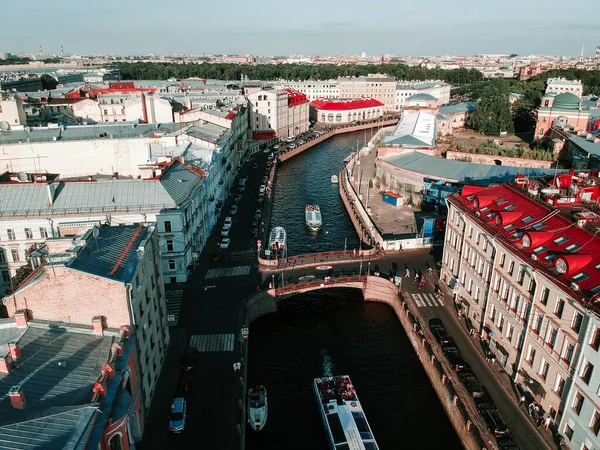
x=257, y=407
x=334, y=179
x=278, y=242
x=344, y=420
x=313, y=218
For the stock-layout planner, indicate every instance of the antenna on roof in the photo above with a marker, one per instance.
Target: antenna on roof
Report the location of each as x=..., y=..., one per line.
x=95, y=233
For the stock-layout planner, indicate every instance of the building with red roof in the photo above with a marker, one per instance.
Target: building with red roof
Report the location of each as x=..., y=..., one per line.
x=328, y=111
x=277, y=112
x=527, y=276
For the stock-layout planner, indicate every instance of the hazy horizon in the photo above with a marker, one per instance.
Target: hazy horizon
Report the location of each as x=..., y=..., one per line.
x=338, y=27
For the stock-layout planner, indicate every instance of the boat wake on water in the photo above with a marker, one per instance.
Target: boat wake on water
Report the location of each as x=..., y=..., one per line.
x=327, y=364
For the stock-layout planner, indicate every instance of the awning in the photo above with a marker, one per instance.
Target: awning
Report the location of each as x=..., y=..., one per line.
x=532, y=384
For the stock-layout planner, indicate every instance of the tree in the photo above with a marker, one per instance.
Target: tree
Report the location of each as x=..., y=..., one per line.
x=492, y=114
x=24, y=271
x=48, y=82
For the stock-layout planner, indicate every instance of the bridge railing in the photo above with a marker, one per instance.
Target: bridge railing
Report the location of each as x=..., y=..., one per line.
x=321, y=283
x=314, y=258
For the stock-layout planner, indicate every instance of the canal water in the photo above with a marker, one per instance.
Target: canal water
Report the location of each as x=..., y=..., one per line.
x=306, y=178
x=335, y=332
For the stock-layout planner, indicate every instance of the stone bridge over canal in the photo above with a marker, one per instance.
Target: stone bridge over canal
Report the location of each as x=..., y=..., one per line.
x=374, y=289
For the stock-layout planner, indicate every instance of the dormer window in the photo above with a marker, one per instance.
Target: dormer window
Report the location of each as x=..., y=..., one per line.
x=527, y=219
x=500, y=201
x=509, y=208
x=580, y=277
x=539, y=249
x=573, y=247
x=509, y=227
x=538, y=226
x=487, y=208
x=561, y=240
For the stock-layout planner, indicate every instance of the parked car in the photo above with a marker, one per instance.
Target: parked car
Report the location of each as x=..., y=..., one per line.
x=262, y=188
x=276, y=146
x=177, y=418
x=439, y=331
x=266, y=150
x=471, y=383
x=228, y=221
x=493, y=419
x=225, y=243
x=506, y=442
x=290, y=139
x=233, y=210
x=225, y=230
x=454, y=358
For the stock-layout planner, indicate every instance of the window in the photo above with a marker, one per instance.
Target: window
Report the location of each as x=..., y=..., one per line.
x=500, y=323
x=576, y=322
x=492, y=314
x=561, y=240
x=538, y=226
x=568, y=352
x=527, y=219
x=509, y=207
x=521, y=277
x=114, y=442
x=539, y=249
x=551, y=336
x=5, y=276
x=559, y=308
x=559, y=385
x=168, y=226
x=15, y=254
x=568, y=432
x=11, y=234
x=544, y=368
x=509, y=227
x=171, y=264
x=502, y=259
x=170, y=245
x=572, y=247
x=544, y=296
x=530, y=355
x=595, y=341
x=587, y=369
x=43, y=232
x=580, y=277
x=2, y=256
x=537, y=323
x=511, y=268
x=595, y=423
x=578, y=402
x=28, y=233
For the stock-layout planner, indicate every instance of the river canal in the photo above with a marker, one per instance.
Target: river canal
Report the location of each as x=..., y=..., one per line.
x=335, y=332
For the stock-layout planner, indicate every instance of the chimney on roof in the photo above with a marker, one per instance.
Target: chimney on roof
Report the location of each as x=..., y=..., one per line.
x=589, y=136
x=6, y=363
x=98, y=324
x=14, y=350
x=17, y=397
x=21, y=317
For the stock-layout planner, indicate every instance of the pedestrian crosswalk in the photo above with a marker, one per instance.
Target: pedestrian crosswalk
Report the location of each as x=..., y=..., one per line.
x=213, y=342
x=227, y=272
x=425, y=300
x=173, y=300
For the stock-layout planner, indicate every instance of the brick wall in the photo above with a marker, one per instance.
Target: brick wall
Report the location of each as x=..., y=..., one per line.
x=73, y=297
x=491, y=160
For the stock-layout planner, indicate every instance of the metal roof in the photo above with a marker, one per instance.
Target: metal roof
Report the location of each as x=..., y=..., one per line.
x=461, y=171
x=76, y=197
x=87, y=132
x=57, y=367
x=414, y=130
x=421, y=96
x=101, y=254
x=208, y=132
x=586, y=145
x=458, y=108
x=63, y=430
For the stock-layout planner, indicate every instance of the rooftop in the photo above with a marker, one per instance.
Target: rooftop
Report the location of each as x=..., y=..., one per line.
x=343, y=105
x=420, y=97
x=86, y=132
x=586, y=145
x=460, y=171
x=458, y=108
x=569, y=255
x=112, y=254
x=207, y=131
x=168, y=191
x=414, y=130
x=57, y=367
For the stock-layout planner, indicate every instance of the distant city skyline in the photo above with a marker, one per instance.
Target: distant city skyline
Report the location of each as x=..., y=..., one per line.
x=337, y=27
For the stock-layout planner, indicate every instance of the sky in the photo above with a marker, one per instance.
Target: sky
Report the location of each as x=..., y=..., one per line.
x=308, y=27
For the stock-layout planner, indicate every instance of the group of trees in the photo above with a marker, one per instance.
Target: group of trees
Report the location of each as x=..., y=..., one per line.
x=492, y=115
x=163, y=71
x=538, y=152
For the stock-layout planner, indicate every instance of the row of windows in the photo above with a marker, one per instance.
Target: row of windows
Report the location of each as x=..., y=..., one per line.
x=577, y=406
x=12, y=236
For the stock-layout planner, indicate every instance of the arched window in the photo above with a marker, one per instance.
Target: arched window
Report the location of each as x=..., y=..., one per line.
x=322, y=117
x=349, y=117
x=114, y=443
x=330, y=117
x=338, y=117
x=541, y=131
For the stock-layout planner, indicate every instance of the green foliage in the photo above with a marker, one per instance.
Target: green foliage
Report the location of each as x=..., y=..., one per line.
x=492, y=115
x=539, y=152
x=163, y=71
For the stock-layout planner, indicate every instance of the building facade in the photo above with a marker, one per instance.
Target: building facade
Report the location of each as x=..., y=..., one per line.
x=284, y=113
x=524, y=275
x=345, y=111
x=315, y=90
x=561, y=85
x=438, y=89
x=11, y=111
x=378, y=87
x=564, y=110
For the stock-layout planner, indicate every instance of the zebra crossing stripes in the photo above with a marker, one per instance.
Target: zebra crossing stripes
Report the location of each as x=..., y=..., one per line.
x=227, y=272
x=173, y=300
x=426, y=300
x=213, y=342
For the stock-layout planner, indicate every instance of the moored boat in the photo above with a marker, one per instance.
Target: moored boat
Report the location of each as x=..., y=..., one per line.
x=334, y=179
x=313, y=218
x=278, y=242
x=257, y=407
x=345, y=423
